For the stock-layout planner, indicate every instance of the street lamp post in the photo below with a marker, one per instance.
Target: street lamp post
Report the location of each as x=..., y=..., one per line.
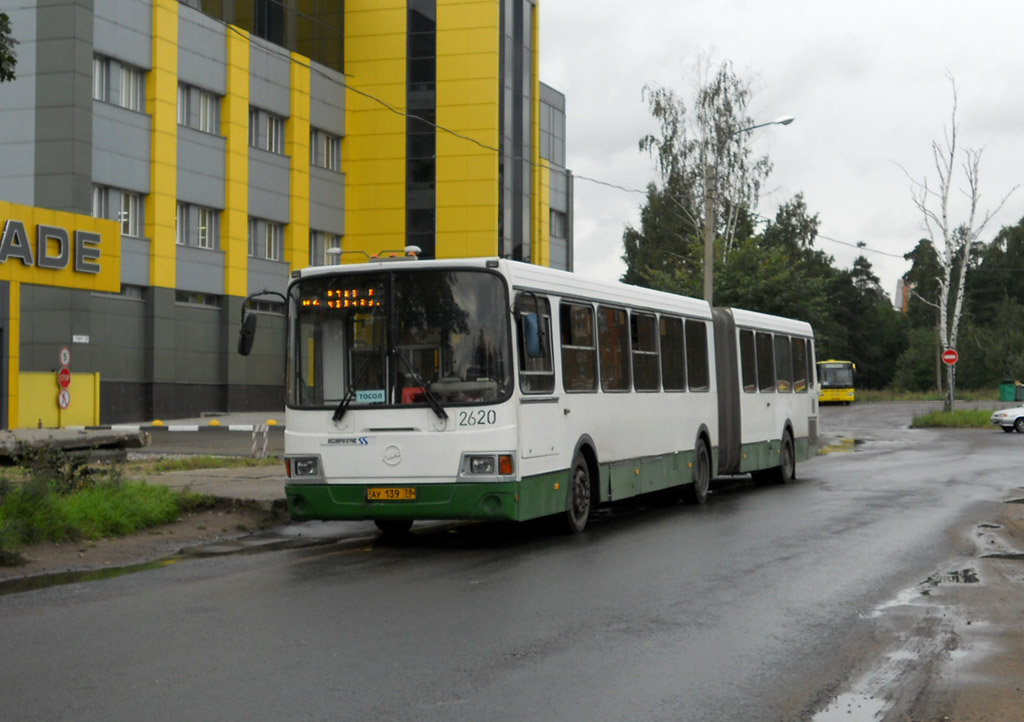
x=709, y=210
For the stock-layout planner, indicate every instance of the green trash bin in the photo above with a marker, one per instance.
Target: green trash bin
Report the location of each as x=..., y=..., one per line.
x=1007, y=391
x=1019, y=393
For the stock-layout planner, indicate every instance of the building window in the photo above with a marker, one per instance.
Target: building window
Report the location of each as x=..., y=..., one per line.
x=254, y=127
x=266, y=131
x=324, y=149
x=273, y=241
x=115, y=82
x=321, y=246
x=558, y=224
x=181, y=224
x=131, y=214
x=183, y=105
x=207, y=235
x=253, y=235
x=198, y=109
x=119, y=205
x=209, y=110
x=197, y=226
x=188, y=298
x=100, y=78
x=132, y=95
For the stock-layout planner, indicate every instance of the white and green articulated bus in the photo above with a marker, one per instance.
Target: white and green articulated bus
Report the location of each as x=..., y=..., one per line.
x=493, y=389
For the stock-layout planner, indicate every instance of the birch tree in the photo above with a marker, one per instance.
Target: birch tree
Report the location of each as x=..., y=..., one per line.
x=708, y=171
x=952, y=239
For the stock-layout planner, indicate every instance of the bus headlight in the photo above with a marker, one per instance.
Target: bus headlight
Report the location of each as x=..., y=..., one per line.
x=480, y=467
x=302, y=466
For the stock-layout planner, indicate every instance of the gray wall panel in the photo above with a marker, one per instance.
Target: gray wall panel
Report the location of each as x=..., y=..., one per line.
x=200, y=270
x=134, y=261
x=327, y=100
x=268, y=275
x=63, y=161
x=201, y=158
x=198, y=352
x=202, y=51
x=326, y=200
x=17, y=131
x=269, y=185
x=120, y=148
x=269, y=78
x=124, y=30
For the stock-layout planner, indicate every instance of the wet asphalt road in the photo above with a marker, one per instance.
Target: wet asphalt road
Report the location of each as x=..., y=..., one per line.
x=753, y=607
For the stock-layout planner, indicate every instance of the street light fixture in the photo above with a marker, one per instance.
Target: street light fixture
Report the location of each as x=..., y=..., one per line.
x=709, y=209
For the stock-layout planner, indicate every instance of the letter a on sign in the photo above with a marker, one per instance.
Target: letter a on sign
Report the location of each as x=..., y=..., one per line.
x=15, y=243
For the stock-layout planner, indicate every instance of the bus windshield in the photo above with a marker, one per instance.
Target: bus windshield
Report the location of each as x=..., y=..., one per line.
x=835, y=375
x=399, y=338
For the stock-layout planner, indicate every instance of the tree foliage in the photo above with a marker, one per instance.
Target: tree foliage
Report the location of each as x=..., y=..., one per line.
x=8, y=58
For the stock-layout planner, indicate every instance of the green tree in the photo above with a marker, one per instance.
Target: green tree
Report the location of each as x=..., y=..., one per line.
x=8, y=58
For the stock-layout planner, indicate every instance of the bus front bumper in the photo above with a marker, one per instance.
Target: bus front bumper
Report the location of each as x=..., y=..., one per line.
x=494, y=500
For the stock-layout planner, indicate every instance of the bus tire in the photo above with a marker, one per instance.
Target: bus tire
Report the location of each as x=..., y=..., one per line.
x=577, y=511
x=786, y=470
x=393, y=528
x=697, y=491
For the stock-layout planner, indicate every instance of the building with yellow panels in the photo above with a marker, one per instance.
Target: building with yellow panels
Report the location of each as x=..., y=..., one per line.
x=162, y=160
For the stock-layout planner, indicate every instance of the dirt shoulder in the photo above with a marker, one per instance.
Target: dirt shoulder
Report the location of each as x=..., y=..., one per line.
x=202, y=526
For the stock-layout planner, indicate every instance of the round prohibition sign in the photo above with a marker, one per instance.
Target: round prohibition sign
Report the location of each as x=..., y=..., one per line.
x=950, y=356
x=64, y=398
x=65, y=356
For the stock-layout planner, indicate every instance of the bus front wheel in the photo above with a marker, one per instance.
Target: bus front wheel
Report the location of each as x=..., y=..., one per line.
x=578, y=508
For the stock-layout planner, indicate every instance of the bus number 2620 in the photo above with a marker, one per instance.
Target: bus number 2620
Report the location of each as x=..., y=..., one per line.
x=480, y=417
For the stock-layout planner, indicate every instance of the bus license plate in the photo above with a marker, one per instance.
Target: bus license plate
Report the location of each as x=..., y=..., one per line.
x=391, y=493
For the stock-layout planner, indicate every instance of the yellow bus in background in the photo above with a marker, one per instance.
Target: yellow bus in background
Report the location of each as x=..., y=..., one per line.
x=835, y=381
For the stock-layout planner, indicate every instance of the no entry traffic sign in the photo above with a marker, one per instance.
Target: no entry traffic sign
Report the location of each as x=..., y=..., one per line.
x=950, y=356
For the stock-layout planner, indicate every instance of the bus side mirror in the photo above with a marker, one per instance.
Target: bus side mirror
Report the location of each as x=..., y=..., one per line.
x=247, y=334
x=532, y=336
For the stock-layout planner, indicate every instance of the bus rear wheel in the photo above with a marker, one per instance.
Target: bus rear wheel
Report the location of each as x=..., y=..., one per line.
x=785, y=472
x=577, y=511
x=697, y=492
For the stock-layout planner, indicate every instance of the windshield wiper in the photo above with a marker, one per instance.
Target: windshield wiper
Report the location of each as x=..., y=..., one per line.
x=435, y=404
x=351, y=393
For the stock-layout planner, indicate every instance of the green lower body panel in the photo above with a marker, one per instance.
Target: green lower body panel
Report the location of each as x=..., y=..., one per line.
x=511, y=501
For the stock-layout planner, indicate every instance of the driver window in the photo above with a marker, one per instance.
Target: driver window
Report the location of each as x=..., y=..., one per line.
x=536, y=375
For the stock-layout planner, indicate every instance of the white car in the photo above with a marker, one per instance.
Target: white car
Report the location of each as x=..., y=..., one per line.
x=1010, y=419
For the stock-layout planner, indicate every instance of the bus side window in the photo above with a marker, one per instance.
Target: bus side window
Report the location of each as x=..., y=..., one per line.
x=783, y=364
x=765, y=363
x=536, y=372
x=800, y=365
x=579, y=347
x=697, y=366
x=748, y=361
x=644, y=337
x=673, y=355
x=613, y=331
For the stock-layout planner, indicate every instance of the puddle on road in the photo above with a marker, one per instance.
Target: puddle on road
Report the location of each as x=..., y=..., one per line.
x=852, y=708
x=44, y=581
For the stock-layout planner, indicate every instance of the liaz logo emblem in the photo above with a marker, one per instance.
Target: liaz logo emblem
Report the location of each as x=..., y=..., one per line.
x=349, y=441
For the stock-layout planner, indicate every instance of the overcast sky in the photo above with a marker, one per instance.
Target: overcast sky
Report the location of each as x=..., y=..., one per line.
x=866, y=82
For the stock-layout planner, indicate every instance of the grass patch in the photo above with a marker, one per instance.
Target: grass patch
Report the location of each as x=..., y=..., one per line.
x=869, y=395
x=57, y=497
x=191, y=463
x=956, y=419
